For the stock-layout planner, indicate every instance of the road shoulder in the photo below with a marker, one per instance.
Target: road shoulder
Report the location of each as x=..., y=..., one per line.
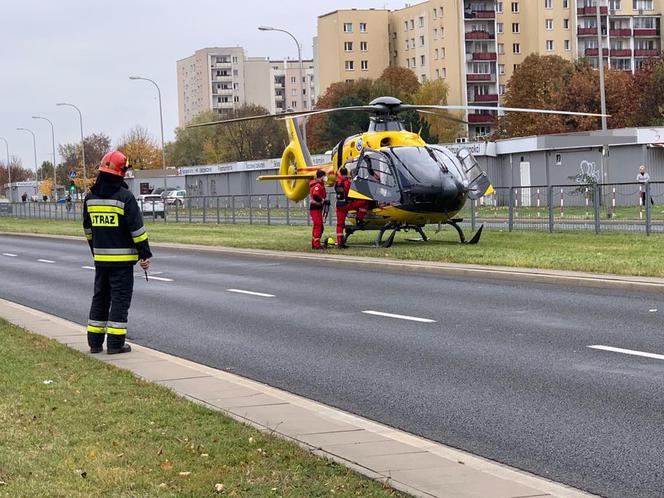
x=409, y=463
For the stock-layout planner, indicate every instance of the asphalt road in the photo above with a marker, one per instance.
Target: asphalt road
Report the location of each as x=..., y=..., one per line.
x=500, y=369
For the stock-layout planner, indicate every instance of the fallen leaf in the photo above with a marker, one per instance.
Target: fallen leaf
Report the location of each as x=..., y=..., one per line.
x=84, y=474
x=162, y=485
x=115, y=443
x=184, y=474
x=219, y=488
x=47, y=382
x=161, y=450
x=204, y=455
x=251, y=440
x=167, y=465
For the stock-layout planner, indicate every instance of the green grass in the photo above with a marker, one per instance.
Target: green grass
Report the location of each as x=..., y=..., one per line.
x=99, y=431
x=617, y=253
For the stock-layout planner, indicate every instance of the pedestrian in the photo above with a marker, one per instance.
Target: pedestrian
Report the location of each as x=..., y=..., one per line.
x=45, y=198
x=68, y=202
x=643, y=178
x=344, y=205
x=113, y=225
x=318, y=198
x=24, y=197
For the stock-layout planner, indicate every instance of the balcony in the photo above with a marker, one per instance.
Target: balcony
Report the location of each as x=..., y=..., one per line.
x=645, y=52
x=484, y=56
x=491, y=97
x=479, y=77
x=479, y=35
x=480, y=14
x=621, y=52
x=586, y=31
x=481, y=118
x=594, y=52
x=620, y=32
x=646, y=32
x=591, y=11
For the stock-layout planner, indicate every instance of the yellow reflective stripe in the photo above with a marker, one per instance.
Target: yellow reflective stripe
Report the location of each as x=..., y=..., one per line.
x=105, y=209
x=89, y=237
x=114, y=331
x=96, y=330
x=141, y=238
x=112, y=258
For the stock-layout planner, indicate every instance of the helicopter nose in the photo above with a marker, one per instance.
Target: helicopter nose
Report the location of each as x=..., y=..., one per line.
x=452, y=194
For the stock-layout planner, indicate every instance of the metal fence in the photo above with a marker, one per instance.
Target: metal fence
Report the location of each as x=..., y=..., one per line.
x=627, y=207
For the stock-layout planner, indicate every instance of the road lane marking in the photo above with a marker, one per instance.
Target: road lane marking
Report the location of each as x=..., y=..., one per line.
x=46, y=261
x=88, y=267
x=400, y=317
x=161, y=279
x=629, y=351
x=10, y=255
x=250, y=293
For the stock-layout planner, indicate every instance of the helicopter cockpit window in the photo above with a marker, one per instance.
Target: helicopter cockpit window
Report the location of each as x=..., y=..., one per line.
x=452, y=163
x=374, y=177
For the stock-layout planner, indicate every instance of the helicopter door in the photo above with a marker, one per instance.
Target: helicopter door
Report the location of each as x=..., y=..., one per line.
x=478, y=181
x=373, y=179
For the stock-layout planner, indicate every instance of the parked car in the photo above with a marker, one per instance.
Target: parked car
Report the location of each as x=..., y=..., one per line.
x=176, y=197
x=151, y=205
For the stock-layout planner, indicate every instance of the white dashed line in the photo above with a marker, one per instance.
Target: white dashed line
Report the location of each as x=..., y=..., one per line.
x=629, y=351
x=259, y=294
x=161, y=279
x=46, y=261
x=400, y=317
x=9, y=255
x=88, y=267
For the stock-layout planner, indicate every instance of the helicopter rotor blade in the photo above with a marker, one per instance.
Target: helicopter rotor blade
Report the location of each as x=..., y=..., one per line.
x=505, y=109
x=284, y=115
x=443, y=116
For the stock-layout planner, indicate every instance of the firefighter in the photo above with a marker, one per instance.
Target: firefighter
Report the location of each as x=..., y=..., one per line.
x=317, y=203
x=344, y=205
x=113, y=225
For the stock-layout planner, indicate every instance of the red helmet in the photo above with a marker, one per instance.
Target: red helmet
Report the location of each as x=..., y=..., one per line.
x=114, y=162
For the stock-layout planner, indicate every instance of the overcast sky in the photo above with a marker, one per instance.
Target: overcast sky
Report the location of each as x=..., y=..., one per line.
x=83, y=51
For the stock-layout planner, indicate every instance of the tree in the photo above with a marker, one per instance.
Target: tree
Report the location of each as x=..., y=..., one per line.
x=648, y=84
x=441, y=130
x=399, y=82
x=540, y=82
x=140, y=148
x=96, y=145
x=19, y=173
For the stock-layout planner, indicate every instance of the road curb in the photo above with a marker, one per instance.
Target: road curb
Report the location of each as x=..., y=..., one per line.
x=440, y=470
x=530, y=275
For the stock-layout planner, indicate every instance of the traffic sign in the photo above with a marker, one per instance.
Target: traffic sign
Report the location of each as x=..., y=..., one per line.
x=72, y=174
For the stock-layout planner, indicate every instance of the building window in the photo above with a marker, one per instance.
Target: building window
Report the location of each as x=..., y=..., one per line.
x=643, y=5
x=441, y=12
x=442, y=32
x=408, y=63
x=444, y=72
x=559, y=159
x=421, y=60
x=515, y=7
x=236, y=99
x=363, y=27
x=435, y=33
x=501, y=89
x=501, y=68
x=501, y=48
x=412, y=61
x=565, y=4
x=364, y=46
x=568, y=45
x=407, y=44
x=516, y=28
x=515, y=68
x=442, y=53
x=499, y=27
x=412, y=24
x=423, y=77
x=437, y=74
x=549, y=45
x=547, y=4
x=421, y=22
x=234, y=59
x=350, y=66
x=293, y=80
x=565, y=23
x=293, y=104
x=405, y=26
x=348, y=46
x=435, y=13
x=548, y=24
x=614, y=4
x=516, y=48
x=499, y=7
x=435, y=54
x=348, y=27
x=421, y=41
x=364, y=65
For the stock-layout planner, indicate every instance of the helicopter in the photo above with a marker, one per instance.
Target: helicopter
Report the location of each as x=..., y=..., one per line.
x=408, y=183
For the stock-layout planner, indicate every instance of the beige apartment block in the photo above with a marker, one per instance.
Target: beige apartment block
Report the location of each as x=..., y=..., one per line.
x=475, y=45
x=223, y=79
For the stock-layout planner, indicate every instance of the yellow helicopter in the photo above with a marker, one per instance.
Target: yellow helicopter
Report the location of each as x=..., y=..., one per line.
x=407, y=182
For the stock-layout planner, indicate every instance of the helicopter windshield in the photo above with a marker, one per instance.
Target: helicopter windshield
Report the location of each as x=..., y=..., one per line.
x=422, y=165
x=373, y=176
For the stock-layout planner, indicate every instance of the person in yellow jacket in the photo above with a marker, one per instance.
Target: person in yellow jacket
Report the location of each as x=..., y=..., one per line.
x=113, y=225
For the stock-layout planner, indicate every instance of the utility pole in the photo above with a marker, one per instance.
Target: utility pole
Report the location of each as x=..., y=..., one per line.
x=604, y=162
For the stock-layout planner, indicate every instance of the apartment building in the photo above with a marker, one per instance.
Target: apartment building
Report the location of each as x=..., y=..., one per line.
x=475, y=45
x=223, y=79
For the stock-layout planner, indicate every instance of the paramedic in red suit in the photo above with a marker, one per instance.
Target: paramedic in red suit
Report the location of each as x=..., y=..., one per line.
x=317, y=201
x=344, y=204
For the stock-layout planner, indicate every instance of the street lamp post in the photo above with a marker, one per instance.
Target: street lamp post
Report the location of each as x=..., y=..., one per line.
x=161, y=123
x=80, y=117
x=604, y=160
x=55, y=183
x=299, y=56
x=9, y=168
x=34, y=148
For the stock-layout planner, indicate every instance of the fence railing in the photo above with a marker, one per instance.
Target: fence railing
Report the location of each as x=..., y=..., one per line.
x=630, y=207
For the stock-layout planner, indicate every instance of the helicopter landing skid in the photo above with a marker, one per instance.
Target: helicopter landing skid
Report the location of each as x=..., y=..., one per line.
x=462, y=237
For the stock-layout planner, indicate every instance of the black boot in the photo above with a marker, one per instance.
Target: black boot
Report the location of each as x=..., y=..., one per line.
x=116, y=344
x=96, y=342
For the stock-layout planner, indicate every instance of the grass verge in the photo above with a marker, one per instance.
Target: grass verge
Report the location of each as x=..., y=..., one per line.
x=75, y=427
x=616, y=253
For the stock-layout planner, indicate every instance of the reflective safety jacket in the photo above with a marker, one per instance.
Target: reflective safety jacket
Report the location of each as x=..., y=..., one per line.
x=114, y=228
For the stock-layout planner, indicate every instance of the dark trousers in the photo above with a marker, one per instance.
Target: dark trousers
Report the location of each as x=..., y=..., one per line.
x=109, y=310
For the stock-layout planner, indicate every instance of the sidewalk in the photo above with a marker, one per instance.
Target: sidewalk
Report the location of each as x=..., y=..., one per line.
x=406, y=462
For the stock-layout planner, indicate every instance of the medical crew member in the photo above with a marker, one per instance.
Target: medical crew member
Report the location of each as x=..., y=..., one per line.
x=317, y=202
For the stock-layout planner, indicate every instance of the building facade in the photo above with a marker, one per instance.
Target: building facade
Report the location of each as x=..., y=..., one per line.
x=224, y=79
x=475, y=45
